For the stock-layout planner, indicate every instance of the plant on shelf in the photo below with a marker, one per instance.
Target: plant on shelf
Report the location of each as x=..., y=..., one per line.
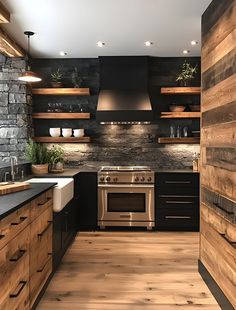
x=187, y=74
x=56, y=77
x=38, y=155
x=75, y=78
x=56, y=154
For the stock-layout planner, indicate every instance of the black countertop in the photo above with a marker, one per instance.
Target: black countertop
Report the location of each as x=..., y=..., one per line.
x=11, y=202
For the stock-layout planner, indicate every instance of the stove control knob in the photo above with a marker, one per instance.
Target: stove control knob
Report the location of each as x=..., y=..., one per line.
x=149, y=179
x=136, y=179
x=142, y=179
x=115, y=179
x=102, y=179
x=108, y=179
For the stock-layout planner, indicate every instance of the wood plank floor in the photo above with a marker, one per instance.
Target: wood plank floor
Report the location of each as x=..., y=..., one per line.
x=130, y=271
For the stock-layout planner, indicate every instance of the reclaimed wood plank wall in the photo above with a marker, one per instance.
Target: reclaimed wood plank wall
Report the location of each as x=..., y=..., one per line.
x=218, y=145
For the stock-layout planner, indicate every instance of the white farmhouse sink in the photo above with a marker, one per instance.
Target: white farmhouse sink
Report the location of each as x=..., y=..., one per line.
x=63, y=192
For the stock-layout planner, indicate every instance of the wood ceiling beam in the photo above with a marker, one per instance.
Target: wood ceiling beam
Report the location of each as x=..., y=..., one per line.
x=8, y=46
x=4, y=14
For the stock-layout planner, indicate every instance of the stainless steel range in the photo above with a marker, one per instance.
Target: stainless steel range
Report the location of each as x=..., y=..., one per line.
x=126, y=196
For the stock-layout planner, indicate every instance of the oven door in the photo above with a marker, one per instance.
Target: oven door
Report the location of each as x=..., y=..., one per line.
x=126, y=202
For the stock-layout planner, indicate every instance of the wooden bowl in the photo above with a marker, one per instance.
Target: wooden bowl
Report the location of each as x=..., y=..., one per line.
x=195, y=107
x=177, y=108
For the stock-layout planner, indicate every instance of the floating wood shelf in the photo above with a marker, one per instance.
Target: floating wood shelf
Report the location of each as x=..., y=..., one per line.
x=62, y=140
x=181, y=90
x=61, y=115
x=190, y=140
x=180, y=115
x=61, y=91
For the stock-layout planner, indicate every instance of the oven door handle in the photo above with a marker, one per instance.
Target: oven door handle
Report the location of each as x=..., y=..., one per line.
x=125, y=185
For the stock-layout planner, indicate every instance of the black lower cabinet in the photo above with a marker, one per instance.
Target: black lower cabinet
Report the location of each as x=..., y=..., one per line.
x=177, y=201
x=64, y=230
x=86, y=192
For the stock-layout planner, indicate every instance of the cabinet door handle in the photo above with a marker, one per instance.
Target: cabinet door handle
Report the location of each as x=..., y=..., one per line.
x=22, y=219
x=177, y=182
x=218, y=206
x=17, y=256
x=45, y=229
x=20, y=287
x=177, y=217
x=45, y=201
x=174, y=202
x=41, y=269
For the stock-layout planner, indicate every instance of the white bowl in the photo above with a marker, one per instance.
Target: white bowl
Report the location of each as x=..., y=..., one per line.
x=55, y=132
x=67, y=132
x=78, y=133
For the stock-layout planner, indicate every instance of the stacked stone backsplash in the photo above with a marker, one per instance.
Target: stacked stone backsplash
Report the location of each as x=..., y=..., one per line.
x=118, y=144
x=15, y=111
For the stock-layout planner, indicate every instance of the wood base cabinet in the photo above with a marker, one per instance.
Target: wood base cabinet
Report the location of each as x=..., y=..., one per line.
x=25, y=253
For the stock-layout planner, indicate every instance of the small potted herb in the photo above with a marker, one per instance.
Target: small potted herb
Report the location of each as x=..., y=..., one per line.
x=38, y=155
x=187, y=74
x=75, y=78
x=56, y=78
x=56, y=159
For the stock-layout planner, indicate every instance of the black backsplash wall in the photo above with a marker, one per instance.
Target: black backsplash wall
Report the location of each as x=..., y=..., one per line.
x=118, y=144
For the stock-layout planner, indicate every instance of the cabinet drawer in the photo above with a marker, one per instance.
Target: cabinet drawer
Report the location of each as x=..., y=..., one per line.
x=40, y=204
x=39, y=278
x=177, y=184
x=13, y=224
x=173, y=218
x=14, y=275
x=177, y=202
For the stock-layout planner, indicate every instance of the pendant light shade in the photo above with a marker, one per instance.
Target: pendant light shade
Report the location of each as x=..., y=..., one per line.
x=29, y=76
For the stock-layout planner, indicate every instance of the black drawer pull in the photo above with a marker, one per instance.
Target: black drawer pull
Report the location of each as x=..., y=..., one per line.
x=21, y=286
x=178, y=196
x=177, y=182
x=177, y=217
x=17, y=255
x=174, y=202
x=43, y=203
x=2, y=236
x=45, y=229
x=22, y=219
x=42, y=269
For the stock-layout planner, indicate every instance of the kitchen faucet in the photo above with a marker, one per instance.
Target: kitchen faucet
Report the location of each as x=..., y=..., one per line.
x=14, y=162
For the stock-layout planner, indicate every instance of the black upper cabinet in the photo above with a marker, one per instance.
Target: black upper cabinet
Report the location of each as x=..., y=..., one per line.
x=177, y=201
x=86, y=200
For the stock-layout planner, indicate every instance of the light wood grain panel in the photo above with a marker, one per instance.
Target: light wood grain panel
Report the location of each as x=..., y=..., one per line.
x=221, y=157
x=223, y=27
x=227, y=45
x=4, y=14
x=130, y=270
x=180, y=90
x=219, y=180
x=219, y=95
x=61, y=91
x=8, y=46
x=222, y=135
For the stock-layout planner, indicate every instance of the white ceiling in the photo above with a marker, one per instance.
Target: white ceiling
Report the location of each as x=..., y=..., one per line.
x=74, y=26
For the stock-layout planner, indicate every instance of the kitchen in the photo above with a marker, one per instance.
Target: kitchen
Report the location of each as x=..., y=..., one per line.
x=115, y=222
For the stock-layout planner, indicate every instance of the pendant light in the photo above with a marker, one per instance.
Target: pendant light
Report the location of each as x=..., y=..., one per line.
x=29, y=76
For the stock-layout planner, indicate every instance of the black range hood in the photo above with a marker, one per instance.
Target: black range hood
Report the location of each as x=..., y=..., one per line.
x=123, y=96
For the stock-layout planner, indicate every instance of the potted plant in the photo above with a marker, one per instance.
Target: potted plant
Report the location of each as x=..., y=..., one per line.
x=56, y=78
x=187, y=74
x=38, y=155
x=56, y=155
x=75, y=78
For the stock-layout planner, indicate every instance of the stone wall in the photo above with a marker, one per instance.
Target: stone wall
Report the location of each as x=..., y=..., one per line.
x=118, y=144
x=15, y=112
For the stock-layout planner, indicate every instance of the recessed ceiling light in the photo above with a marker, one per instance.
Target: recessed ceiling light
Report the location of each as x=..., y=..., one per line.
x=148, y=43
x=186, y=51
x=194, y=42
x=63, y=53
x=100, y=44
